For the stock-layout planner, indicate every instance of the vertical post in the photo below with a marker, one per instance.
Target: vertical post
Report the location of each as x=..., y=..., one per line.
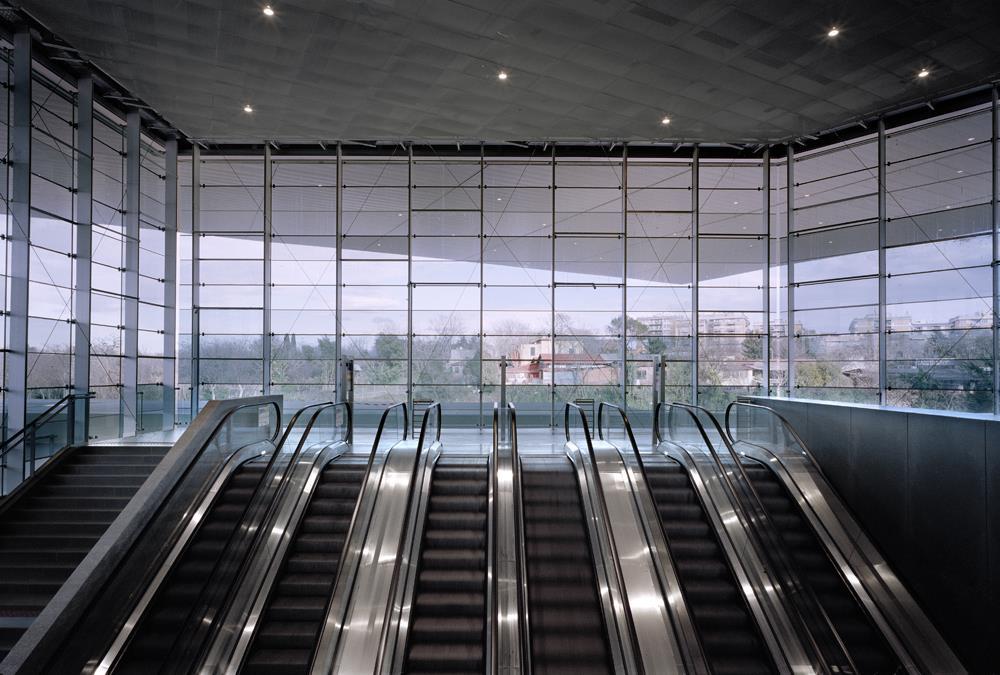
x=345, y=387
x=409, y=280
x=130, y=310
x=624, y=239
x=656, y=381
x=552, y=298
x=268, y=233
x=338, y=309
x=83, y=215
x=503, y=398
x=19, y=247
x=482, y=276
x=765, y=351
x=790, y=270
x=170, y=287
x=195, y=280
x=996, y=250
x=883, y=322
x=695, y=252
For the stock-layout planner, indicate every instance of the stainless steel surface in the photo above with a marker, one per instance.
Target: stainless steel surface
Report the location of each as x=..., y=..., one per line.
x=882, y=594
x=508, y=576
x=354, y=634
x=310, y=456
x=607, y=564
x=241, y=456
x=759, y=588
x=655, y=551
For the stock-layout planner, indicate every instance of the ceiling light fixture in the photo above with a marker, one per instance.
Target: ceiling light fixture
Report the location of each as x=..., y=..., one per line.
x=248, y=108
x=971, y=138
x=665, y=121
x=502, y=75
x=268, y=10
x=833, y=32
x=923, y=73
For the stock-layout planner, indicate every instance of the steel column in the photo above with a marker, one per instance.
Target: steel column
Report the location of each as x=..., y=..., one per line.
x=483, y=412
x=765, y=350
x=170, y=287
x=624, y=239
x=195, y=279
x=996, y=251
x=19, y=248
x=339, y=229
x=552, y=297
x=130, y=300
x=694, y=275
x=790, y=270
x=83, y=215
x=409, y=281
x=883, y=325
x=268, y=233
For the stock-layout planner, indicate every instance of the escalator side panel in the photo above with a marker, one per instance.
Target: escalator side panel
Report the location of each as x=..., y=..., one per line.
x=865, y=644
x=290, y=624
x=567, y=625
x=166, y=617
x=729, y=635
x=449, y=605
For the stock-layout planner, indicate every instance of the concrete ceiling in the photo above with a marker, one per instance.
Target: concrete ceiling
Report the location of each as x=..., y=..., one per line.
x=724, y=71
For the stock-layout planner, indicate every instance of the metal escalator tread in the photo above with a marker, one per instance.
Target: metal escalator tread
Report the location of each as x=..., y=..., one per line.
x=867, y=647
x=291, y=621
x=167, y=615
x=567, y=625
x=449, y=603
x=47, y=533
x=728, y=633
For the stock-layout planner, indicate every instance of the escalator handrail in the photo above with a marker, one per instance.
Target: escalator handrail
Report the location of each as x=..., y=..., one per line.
x=406, y=530
x=606, y=519
x=522, y=554
x=784, y=422
x=772, y=548
x=645, y=478
x=350, y=533
x=123, y=638
x=273, y=503
x=519, y=548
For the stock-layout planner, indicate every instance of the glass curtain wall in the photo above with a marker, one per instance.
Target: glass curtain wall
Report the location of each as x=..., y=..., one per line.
x=152, y=362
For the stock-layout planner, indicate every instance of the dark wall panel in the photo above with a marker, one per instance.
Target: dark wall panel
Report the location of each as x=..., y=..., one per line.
x=876, y=455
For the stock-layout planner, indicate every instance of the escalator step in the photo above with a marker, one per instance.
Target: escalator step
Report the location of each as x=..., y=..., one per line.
x=449, y=605
x=287, y=635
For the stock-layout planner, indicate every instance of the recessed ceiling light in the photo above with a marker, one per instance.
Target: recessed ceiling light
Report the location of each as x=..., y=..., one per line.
x=268, y=10
x=248, y=108
x=499, y=199
x=960, y=171
x=502, y=75
x=971, y=138
x=665, y=121
x=833, y=32
x=923, y=72
x=735, y=203
x=807, y=195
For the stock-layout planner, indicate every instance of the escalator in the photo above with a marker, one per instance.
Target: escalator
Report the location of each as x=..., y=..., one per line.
x=448, y=632
x=865, y=644
x=568, y=634
x=729, y=636
x=285, y=640
x=151, y=647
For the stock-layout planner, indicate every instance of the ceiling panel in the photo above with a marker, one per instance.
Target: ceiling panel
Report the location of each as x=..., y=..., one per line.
x=579, y=69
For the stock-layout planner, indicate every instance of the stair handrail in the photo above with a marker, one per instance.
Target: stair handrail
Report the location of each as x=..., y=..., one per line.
x=769, y=549
x=18, y=436
x=602, y=505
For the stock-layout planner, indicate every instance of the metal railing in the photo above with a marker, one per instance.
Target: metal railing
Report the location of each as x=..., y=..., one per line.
x=627, y=631
x=814, y=622
x=27, y=439
x=509, y=441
